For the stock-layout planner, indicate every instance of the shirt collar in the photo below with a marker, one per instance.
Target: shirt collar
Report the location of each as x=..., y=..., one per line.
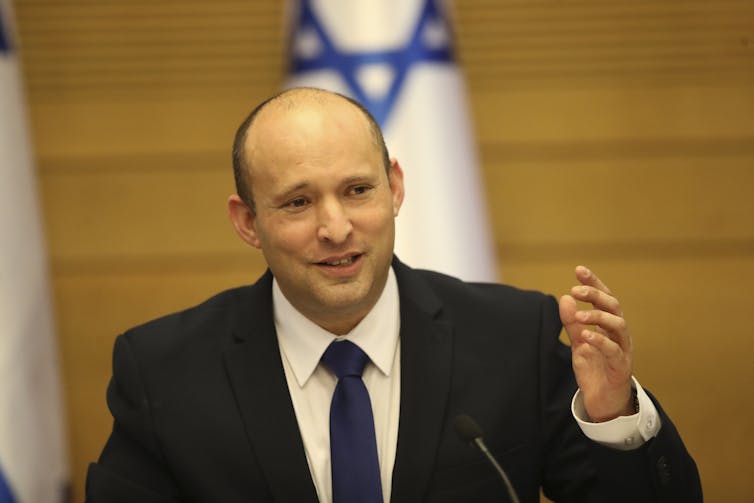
x=303, y=342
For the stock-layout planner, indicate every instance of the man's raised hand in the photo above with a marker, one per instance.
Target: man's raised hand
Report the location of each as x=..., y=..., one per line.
x=600, y=347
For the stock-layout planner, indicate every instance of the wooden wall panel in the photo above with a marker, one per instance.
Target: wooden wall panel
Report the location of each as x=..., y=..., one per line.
x=83, y=47
x=102, y=213
x=685, y=117
x=618, y=134
x=634, y=203
x=130, y=127
x=555, y=43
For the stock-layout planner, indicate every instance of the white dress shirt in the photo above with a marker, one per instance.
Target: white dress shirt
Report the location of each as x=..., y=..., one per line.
x=312, y=385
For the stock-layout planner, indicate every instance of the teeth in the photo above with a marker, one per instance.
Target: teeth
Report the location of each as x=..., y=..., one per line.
x=345, y=261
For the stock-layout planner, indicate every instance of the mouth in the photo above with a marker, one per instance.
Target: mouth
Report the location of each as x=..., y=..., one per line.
x=341, y=261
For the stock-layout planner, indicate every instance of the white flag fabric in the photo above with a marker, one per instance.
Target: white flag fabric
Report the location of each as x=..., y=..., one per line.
x=395, y=57
x=33, y=462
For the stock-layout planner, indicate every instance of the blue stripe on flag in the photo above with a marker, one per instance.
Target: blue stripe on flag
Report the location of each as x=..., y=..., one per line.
x=419, y=49
x=4, y=47
x=5, y=493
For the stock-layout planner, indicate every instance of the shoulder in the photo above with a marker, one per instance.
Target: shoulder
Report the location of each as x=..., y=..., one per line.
x=498, y=324
x=210, y=311
x=447, y=285
x=476, y=298
x=208, y=325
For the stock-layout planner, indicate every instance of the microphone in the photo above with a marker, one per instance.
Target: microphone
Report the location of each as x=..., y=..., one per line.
x=471, y=433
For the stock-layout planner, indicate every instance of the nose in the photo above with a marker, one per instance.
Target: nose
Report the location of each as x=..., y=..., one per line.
x=334, y=222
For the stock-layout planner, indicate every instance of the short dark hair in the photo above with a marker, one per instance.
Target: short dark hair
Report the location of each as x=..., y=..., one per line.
x=240, y=167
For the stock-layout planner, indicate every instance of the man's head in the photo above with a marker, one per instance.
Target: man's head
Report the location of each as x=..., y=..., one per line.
x=321, y=199
x=241, y=169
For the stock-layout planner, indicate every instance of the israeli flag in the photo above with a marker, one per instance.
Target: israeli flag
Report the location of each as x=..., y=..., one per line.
x=396, y=58
x=33, y=462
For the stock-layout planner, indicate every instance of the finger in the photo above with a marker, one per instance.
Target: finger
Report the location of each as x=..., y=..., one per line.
x=607, y=324
x=568, y=309
x=597, y=298
x=612, y=352
x=584, y=355
x=608, y=321
x=587, y=277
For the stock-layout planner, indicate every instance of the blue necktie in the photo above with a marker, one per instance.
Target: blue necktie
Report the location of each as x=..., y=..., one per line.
x=353, y=446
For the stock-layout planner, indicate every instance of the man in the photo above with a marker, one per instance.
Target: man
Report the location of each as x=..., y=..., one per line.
x=229, y=401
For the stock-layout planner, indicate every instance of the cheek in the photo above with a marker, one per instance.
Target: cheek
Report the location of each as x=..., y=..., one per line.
x=286, y=236
x=378, y=222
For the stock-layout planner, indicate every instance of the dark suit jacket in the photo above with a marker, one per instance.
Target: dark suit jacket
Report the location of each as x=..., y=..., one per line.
x=202, y=411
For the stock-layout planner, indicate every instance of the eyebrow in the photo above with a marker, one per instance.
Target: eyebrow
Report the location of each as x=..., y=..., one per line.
x=357, y=179
x=290, y=190
x=287, y=192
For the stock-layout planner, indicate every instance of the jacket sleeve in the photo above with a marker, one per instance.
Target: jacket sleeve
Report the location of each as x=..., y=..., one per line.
x=577, y=469
x=131, y=467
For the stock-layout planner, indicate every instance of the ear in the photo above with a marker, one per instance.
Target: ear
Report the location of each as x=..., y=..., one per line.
x=395, y=176
x=244, y=220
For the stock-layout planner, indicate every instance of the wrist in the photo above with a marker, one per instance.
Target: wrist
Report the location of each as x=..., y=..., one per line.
x=630, y=407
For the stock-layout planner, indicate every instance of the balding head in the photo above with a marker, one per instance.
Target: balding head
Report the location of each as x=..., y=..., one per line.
x=288, y=102
x=320, y=198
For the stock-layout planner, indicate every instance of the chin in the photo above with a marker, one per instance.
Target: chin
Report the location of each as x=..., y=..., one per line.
x=343, y=299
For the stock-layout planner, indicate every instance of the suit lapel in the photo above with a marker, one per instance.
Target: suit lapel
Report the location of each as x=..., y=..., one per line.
x=426, y=345
x=261, y=391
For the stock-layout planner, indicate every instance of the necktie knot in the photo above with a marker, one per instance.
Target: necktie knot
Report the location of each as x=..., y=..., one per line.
x=344, y=358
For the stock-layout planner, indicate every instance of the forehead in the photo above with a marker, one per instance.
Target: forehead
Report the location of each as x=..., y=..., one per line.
x=300, y=132
x=298, y=116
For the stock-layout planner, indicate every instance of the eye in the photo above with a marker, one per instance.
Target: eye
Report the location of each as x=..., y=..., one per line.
x=296, y=203
x=359, y=190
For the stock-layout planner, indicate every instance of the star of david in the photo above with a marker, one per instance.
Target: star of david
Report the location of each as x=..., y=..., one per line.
x=429, y=42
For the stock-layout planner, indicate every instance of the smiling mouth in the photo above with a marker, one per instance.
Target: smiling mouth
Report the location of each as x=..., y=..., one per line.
x=343, y=262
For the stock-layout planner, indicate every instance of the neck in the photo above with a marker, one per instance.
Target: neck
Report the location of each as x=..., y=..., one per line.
x=341, y=324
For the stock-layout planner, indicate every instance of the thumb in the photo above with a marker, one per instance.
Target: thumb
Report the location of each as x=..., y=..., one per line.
x=568, y=308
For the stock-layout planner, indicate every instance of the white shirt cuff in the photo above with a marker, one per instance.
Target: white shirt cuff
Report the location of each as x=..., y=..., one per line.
x=624, y=432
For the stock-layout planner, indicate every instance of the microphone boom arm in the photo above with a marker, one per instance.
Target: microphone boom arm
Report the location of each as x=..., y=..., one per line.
x=483, y=447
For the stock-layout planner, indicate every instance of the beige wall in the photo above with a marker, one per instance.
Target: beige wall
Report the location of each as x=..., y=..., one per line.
x=617, y=134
